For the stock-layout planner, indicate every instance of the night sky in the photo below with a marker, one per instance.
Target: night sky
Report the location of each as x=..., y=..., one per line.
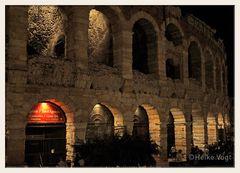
x=220, y=18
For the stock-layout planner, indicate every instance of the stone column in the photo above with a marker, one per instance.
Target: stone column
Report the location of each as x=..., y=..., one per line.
x=16, y=69
x=180, y=136
x=203, y=71
x=185, y=66
x=77, y=39
x=15, y=127
x=123, y=52
x=163, y=140
x=214, y=77
x=16, y=44
x=161, y=58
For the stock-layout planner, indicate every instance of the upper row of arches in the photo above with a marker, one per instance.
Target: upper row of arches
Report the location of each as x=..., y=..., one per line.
x=105, y=22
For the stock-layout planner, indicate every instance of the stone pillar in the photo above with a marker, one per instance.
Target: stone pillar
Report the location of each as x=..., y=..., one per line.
x=128, y=121
x=163, y=140
x=15, y=129
x=214, y=77
x=198, y=133
x=203, y=71
x=161, y=59
x=180, y=136
x=123, y=52
x=189, y=137
x=16, y=44
x=16, y=69
x=77, y=36
x=185, y=68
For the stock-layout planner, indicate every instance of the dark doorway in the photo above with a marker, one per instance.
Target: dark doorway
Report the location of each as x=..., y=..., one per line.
x=221, y=134
x=141, y=124
x=59, y=48
x=45, y=136
x=100, y=124
x=139, y=49
x=170, y=133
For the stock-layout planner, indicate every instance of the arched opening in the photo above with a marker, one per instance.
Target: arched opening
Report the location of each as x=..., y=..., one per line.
x=218, y=75
x=59, y=48
x=198, y=127
x=173, y=34
x=154, y=123
x=172, y=69
x=140, y=126
x=100, y=123
x=227, y=123
x=209, y=71
x=194, y=61
x=45, y=135
x=191, y=128
x=221, y=128
x=212, y=128
x=144, y=47
x=177, y=116
x=45, y=23
x=100, y=39
x=170, y=133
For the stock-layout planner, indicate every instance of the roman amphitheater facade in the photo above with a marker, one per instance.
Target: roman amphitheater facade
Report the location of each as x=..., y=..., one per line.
x=98, y=77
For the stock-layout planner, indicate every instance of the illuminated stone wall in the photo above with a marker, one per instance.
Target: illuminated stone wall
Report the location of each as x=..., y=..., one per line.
x=212, y=128
x=83, y=82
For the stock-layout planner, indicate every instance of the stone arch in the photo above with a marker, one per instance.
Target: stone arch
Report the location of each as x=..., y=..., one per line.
x=174, y=21
x=212, y=128
x=194, y=61
x=194, y=58
x=179, y=129
x=174, y=33
x=209, y=69
x=146, y=16
x=153, y=121
x=140, y=124
x=58, y=45
x=67, y=108
x=41, y=37
x=100, y=38
x=100, y=123
x=119, y=127
x=145, y=38
x=114, y=14
x=198, y=126
x=109, y=37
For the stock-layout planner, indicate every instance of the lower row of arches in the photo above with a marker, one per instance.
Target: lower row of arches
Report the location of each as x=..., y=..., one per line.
x=50, y=134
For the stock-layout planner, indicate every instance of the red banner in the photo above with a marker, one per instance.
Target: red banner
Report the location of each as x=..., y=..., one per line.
x=46, y=113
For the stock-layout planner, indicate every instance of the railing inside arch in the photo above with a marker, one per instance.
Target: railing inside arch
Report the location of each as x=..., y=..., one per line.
x=103, y=130
x=51, y=71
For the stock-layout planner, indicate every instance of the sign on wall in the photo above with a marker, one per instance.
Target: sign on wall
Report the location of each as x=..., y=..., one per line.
x=46, y=113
